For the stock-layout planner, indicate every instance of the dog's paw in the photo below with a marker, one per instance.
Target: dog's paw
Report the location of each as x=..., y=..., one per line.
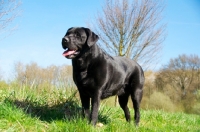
x=99, y=125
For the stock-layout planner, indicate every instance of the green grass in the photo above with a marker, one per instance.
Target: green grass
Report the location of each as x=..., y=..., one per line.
x=58, y=110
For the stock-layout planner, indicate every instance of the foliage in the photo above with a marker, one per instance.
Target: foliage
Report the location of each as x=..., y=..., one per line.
x=34, y=75
x=160, y=101
x=25, y=109
x=180, y=80
x=38, y=101
x=159, y=89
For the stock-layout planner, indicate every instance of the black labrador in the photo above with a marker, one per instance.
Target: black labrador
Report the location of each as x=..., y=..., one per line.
x=99, y=75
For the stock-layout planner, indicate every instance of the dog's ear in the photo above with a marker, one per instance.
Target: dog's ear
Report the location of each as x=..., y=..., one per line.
x=92, y=38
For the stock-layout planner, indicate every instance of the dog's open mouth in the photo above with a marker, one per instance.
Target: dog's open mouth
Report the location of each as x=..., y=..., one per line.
x=69, y=53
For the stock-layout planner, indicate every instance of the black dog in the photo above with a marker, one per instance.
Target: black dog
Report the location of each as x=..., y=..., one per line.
x=98, y=75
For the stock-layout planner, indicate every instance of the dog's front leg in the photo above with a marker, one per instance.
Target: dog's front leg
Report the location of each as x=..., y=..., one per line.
x=95, y=107
x=85, y=100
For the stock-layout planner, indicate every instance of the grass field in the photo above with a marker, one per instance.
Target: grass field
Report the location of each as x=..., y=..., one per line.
x=52, y=110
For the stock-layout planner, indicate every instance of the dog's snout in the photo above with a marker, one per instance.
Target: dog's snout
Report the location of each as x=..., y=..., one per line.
x=66, y=39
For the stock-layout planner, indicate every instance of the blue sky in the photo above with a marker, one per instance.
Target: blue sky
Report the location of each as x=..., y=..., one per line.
x=42, y=24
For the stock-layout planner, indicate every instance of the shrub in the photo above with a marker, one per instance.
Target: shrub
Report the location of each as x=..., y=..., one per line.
x=159, y=101
x=196, y=109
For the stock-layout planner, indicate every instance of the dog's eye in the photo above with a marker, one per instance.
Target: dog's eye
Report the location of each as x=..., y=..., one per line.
x=77, y=34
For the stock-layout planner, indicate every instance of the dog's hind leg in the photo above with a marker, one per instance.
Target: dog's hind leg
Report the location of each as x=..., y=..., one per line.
x=136, y=97
x=123, y=100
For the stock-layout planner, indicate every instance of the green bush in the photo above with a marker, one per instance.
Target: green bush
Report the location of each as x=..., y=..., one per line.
x=196, y=109
x=159, y=101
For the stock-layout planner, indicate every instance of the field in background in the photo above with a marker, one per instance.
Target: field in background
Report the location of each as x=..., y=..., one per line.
x=45, y=99
x=169, y=90
x=25, y=108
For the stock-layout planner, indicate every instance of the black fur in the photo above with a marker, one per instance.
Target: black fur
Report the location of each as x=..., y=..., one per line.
x=98, y=75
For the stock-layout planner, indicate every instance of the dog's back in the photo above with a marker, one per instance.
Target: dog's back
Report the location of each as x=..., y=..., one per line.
x=130, y=67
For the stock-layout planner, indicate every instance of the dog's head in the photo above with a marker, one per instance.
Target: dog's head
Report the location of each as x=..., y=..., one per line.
x=75, y=39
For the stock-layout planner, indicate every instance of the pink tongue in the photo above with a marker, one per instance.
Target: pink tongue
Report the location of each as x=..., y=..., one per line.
x=68, y=52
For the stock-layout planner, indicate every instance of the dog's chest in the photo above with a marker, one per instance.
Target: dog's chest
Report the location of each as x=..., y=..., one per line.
x=84, y=80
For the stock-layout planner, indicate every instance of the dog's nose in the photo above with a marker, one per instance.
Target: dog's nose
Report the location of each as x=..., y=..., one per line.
x=66, y=39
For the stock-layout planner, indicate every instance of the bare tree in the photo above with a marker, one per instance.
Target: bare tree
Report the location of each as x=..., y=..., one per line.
x=9, y=10
x=181, y=75
x=33, y=75
x=132, y=28
x=183, y=72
